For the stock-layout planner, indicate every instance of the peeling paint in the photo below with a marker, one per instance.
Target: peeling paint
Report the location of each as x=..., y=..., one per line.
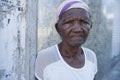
x=7, y=5
x=8, y=21
x=7, y=75
x=1, y=24
x=17, y=60
x=12, y=40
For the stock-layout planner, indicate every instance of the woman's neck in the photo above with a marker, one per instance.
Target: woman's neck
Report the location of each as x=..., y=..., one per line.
x=69, y=51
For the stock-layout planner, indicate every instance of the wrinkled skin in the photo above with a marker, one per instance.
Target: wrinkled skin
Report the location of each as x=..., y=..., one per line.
x=74, y=27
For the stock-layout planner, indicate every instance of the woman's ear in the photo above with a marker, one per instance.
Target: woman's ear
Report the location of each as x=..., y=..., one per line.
x=56, y=25
x=57, y=28
x=91, y=25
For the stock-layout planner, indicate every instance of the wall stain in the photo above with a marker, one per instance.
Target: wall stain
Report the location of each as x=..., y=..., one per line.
x=6, y=5
x=7, y=75
x=8, y=21
x=2, y=16
x=2, y=73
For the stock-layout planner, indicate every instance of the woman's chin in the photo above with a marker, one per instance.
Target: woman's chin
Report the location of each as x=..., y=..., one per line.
x=76, y=43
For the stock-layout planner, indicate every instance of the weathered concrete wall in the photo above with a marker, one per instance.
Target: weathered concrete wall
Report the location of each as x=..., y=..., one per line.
x=18, y=39
x=114, y=72
x=116, y=30
x=31, y=37
x=46, y=22
x=12, y=39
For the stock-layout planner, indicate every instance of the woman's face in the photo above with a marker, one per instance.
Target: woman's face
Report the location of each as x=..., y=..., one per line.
x=74, y=26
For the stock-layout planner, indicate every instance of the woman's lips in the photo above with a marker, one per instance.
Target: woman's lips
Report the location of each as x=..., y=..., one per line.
x=78, y=37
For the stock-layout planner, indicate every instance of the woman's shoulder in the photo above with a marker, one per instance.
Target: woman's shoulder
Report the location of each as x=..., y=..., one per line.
x=90, y=54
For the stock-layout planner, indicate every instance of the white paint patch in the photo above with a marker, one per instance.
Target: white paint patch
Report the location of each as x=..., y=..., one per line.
x=13, y=22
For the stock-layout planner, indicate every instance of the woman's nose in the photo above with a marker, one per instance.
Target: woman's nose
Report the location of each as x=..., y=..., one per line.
x=77, y=26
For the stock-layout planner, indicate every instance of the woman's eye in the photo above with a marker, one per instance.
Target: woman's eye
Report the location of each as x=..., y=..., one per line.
x=85, y=22
x=68, y=22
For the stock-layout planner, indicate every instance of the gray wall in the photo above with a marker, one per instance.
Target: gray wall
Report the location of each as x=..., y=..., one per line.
x=18, y=39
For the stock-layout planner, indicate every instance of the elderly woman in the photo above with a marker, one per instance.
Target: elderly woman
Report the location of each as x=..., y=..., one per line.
x=68, y=60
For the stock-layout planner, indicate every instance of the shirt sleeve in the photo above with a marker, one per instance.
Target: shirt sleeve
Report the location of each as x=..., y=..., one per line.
x=91, y=56
x=45, y=75
x=37, y=77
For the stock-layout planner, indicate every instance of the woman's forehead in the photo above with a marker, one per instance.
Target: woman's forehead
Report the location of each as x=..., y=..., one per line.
x=76, y=13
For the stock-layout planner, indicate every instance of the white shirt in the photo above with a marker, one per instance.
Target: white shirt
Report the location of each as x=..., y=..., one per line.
x=51, y=66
